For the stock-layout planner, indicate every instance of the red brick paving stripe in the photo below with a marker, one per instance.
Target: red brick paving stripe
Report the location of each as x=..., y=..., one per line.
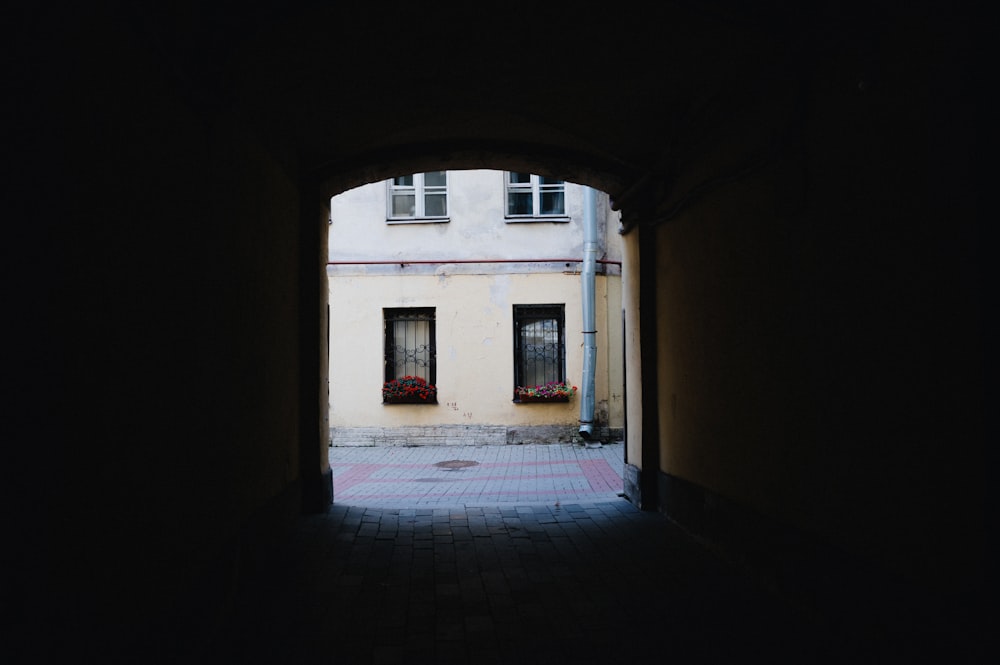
x=601, y=476
x=485, y=496
x=354, y=475
x=479, y=465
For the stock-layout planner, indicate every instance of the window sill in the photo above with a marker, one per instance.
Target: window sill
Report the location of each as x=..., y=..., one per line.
x=540, y=400
x=558, y=219
x=419, y=220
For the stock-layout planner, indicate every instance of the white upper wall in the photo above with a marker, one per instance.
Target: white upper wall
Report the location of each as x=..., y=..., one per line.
x=476, y=228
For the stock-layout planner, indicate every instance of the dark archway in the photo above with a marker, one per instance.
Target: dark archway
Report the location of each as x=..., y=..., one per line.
x=803, y=187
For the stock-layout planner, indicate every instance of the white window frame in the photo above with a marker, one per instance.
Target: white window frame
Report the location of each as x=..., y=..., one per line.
x=419, y=190
x=537, y=189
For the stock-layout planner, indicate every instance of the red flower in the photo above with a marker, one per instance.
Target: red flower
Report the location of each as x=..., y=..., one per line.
x=408, y=387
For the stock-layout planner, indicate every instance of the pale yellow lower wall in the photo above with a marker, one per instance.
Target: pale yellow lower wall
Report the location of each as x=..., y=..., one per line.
x=610, y=336
x=631, y=348
x=474, y=336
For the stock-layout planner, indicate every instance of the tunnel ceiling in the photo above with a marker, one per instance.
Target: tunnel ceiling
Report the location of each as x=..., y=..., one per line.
x=618, y=98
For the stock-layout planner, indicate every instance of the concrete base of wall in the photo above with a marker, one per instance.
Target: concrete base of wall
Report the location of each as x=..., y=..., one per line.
x=463, y=435
x=632, y=486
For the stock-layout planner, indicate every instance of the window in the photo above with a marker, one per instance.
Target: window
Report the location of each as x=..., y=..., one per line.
x=539, y=344
x=409, y=344
x=533, y=196
x=419, y=196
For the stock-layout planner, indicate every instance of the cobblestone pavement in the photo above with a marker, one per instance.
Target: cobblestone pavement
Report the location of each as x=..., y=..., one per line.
x=521, y=555
x=476, y=475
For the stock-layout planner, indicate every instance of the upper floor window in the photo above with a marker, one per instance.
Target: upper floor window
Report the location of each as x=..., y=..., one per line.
x=530, y=195
x=419, y=196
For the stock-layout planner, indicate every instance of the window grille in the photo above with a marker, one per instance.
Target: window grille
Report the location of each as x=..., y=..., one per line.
x=409, y=344
x=539, y=344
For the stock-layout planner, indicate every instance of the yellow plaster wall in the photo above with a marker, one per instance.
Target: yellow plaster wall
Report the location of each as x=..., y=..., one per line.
x=474, y=323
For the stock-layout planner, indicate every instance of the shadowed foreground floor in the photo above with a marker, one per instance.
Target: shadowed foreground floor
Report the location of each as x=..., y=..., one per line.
x=527, y=555
x=578, y=583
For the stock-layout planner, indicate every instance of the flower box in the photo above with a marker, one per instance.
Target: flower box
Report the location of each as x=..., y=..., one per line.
x=409, y=400
x=533, y=398
x=409, y=390
x=549, y=392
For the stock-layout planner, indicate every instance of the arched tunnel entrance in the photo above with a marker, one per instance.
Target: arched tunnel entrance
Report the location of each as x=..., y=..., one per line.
x=565, y=276
x=485, y=296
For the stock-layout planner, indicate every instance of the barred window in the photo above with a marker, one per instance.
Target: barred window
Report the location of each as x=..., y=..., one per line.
x=539, y=344
x=409, y=343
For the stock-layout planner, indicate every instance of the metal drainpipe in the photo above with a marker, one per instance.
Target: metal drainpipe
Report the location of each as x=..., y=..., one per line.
x=589, y=334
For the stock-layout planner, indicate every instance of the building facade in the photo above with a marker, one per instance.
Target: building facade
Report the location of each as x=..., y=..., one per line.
x=459, y=302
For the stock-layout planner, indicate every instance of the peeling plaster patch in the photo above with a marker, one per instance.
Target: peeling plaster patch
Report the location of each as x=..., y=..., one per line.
x=487, y=341
x=443, y=272
x=452, y=354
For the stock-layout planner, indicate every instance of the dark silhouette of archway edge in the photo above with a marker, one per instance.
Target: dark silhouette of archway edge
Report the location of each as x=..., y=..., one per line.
x=595, y=170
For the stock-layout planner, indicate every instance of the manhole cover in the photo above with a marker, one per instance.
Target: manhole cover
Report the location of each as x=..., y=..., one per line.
x=456, y=464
